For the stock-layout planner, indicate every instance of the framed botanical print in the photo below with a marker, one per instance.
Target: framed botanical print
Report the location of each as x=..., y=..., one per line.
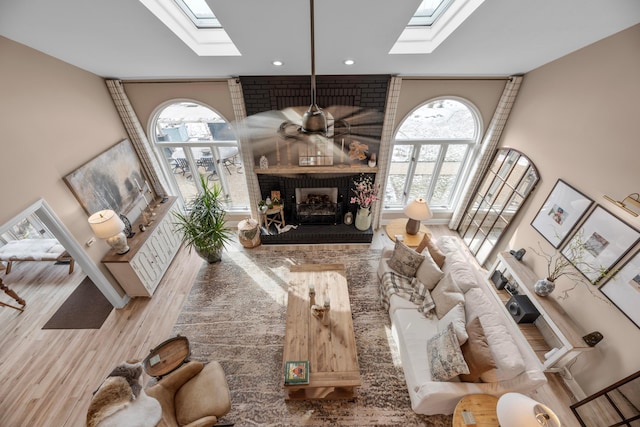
x=599, y=243
x=623, y=289
x=560, y=213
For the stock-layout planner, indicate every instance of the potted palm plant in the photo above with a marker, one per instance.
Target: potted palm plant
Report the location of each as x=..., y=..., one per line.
x=203, y=225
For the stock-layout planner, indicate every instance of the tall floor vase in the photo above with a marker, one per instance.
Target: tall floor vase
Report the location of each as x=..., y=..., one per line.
x=363, y=219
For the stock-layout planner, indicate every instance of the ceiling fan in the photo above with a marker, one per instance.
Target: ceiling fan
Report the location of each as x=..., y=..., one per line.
x=338, y=123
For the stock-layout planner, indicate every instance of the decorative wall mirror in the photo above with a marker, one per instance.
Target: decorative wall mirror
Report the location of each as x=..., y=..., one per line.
x=506, y=185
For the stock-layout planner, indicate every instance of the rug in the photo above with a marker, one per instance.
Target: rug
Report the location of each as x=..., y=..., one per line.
x=85, y=308
x=235, y=314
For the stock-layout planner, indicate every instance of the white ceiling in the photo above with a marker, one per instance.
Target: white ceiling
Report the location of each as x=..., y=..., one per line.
x=123, y=39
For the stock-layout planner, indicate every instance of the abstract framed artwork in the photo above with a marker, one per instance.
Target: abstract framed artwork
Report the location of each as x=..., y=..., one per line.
x=109, y=181
x=623, y=289
x=560, y=213
x=599, y=243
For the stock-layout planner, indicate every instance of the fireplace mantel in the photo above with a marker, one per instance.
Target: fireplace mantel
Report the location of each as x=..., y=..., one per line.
x=288, y=170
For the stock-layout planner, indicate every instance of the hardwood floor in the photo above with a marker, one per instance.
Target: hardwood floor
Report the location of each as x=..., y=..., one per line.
x=47, y=377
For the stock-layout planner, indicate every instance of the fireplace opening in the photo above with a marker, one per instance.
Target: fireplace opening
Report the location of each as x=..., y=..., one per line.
x=317, y=205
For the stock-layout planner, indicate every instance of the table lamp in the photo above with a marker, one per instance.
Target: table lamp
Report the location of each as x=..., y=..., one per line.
x=518, y=410
x=417, y=211
x=106, y=224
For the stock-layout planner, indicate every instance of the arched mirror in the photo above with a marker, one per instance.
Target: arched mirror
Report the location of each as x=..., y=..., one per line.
x=506, y=185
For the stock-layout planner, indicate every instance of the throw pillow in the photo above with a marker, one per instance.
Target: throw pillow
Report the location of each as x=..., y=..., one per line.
x=446, y=295
x=428, y=272
x=456, y=317
x=444, y=356
x=405, y=260
x=476, y=353
x=437, y=255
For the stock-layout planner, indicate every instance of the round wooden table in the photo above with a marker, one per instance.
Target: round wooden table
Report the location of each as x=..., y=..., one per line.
x=483, y=408
x=398, y=226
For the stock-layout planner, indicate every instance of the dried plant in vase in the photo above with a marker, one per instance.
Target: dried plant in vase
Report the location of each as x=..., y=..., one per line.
x=559, y=265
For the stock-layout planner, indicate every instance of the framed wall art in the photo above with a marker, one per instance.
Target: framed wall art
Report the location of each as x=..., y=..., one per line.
x=109, y=181
x=560, y=213
x=599, y=243
x=623, y=289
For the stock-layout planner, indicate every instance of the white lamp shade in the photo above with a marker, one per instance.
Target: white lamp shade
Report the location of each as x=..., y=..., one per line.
x=106, y=224
x=518, y=410
x=418, y=209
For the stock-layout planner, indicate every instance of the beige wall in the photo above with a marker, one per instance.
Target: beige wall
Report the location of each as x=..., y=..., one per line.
x=146, y=97
x=577, y=119
x=55, y=118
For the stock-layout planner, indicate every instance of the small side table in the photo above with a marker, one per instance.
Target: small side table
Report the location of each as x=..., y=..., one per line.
x=167, y=356
x=483, y=408
x=398, y=226
x=275, y=215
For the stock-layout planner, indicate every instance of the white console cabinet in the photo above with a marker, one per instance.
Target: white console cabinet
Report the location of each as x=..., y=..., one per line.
x=553, y=336
x=151, y=251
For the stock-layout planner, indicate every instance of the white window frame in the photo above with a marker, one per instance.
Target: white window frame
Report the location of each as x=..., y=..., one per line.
x=470, y=155
x=186, y=146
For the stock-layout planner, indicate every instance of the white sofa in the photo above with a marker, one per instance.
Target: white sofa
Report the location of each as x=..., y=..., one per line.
x=517, y=367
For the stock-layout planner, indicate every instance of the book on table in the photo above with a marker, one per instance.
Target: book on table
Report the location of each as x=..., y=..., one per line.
x=296, y=372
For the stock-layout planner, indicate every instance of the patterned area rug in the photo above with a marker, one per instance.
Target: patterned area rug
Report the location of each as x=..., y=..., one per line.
x=235, y=314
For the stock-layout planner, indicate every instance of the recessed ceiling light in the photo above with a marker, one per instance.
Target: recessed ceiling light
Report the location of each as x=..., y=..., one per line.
x=278, y=63
x=349, y=62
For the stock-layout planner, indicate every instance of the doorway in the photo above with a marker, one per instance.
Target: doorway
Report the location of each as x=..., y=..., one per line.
x=50, y=220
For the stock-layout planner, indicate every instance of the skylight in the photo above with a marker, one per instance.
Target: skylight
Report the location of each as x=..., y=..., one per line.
x=432, y=23
x=196, y=26
x=428, y=12
x=200, y=13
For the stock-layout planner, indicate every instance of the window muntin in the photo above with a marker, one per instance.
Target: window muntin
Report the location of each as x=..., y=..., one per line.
x=192, y=137
x=432, y=147
x=428, y=12
x=199, y=12
x=504, y=188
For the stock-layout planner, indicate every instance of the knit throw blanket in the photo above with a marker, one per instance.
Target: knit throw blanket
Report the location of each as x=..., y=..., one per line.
x=405, y=287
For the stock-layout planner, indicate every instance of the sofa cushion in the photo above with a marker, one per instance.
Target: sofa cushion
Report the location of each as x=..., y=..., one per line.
x=457, y=263
x=405, y=260
x=476, y=352
x=428, y=272
x=456, y=317
x=507, y=356
x=446, y=295
x=434, y=251
x=444, y=355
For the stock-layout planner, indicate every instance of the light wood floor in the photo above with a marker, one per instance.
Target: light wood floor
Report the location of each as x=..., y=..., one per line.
x=47, y=377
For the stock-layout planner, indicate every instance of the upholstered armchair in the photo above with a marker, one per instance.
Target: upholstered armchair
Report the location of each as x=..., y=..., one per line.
x=194, y=395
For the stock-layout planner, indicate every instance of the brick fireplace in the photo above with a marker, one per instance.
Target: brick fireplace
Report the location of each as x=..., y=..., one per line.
x=287, y=173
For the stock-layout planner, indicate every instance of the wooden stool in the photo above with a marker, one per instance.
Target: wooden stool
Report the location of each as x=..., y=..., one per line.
x=274, y=216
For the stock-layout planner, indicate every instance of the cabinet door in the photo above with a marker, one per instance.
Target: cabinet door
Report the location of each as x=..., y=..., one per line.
x=145, y=266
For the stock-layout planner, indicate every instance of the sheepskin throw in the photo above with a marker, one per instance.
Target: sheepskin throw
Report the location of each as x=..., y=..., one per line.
x=120, y=401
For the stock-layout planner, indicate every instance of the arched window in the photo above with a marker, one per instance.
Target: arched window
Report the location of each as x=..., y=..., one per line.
x=194, y=139
x=431, y=153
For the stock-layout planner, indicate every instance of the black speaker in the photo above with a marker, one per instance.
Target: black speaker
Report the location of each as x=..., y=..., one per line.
x=522, y=309
x=498, y=279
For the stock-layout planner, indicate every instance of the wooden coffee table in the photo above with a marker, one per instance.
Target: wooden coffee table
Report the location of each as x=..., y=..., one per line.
x=330, y=349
